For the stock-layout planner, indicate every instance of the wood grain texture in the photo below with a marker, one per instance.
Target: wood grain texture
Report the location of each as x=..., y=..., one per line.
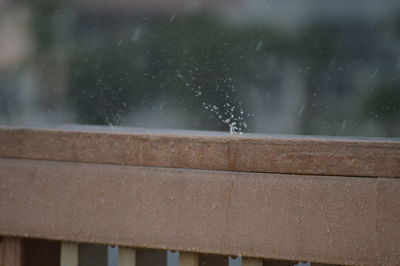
x=388, y=224
x=326, y=219
x=291, y=155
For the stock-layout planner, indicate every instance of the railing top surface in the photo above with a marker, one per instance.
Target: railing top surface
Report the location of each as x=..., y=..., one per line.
x=361, y=157
x=282, y=197
x=122, y=130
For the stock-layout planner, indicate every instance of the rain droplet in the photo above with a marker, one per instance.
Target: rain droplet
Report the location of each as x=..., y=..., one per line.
x=172, y=18
x=260, y=43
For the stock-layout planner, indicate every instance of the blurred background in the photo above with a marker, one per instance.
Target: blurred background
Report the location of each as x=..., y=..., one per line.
x=313, y=67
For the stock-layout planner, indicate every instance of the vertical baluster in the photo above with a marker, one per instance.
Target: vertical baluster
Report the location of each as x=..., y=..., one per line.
x=69, y=254
x=11, y=251
x=188, y=259
x=112, y=255
x=252, y=262
x=126, y=257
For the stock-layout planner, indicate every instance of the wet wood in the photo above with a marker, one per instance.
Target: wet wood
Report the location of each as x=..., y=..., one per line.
x=69, y=254
x=188, y=259
x=388, y=224
x=338, y=220
x=126, y=257
x=291, y=155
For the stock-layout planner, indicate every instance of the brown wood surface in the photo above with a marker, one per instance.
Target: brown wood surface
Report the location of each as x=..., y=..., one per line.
x=16, y=251
x=337, y=220
x=388, y=209
x=323, y=264
x=11, y=251
x=291, y=155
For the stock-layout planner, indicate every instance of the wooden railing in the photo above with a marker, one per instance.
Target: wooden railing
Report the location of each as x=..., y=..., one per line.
x=271, y=200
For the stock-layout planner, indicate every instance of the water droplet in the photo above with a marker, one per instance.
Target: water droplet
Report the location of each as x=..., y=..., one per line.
x=301, y=109
x=260, y=43
x=374, y=74
x=172, y=18
x=136, y=34
x=120, y=42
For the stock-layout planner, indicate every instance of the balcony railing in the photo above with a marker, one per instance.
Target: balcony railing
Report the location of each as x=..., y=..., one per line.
x=274, y=200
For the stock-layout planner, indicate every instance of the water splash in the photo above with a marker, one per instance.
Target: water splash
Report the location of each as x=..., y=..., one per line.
x=231, y=114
